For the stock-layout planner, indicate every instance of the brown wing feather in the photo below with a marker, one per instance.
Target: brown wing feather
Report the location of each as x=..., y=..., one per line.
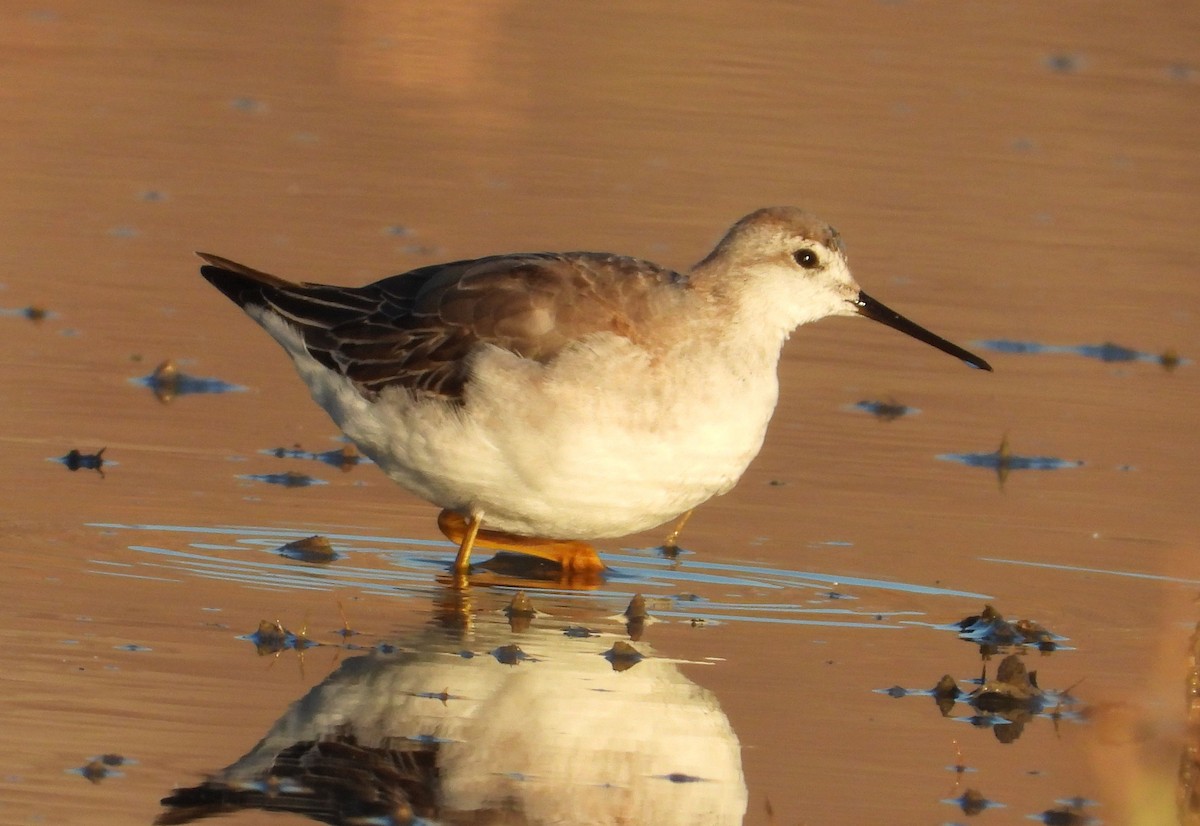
x=418, y=329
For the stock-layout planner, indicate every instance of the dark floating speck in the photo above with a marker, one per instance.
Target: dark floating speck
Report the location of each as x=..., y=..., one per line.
x=1181, y=72
x=76, y=460
x=397, y=231
x=248, y=104
x=152, y=196
x=167, y=381
x=680, y=777
x=1106, y=352
x=887, y=411
x=579, y=632
x=1064, y=62
x=316, y=550
x=287, y=480
x=130, y=646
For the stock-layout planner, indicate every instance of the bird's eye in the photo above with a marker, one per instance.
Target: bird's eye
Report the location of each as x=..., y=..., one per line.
x=806, y=258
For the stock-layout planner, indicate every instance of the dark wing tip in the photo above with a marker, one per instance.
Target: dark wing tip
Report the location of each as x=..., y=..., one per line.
x=241, y=284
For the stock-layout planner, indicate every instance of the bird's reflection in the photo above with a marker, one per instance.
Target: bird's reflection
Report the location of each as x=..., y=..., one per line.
x=442, y=728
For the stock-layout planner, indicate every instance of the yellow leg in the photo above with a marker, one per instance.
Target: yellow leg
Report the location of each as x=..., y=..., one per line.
x=462, y=562
x=572, y=555
x=672, y=543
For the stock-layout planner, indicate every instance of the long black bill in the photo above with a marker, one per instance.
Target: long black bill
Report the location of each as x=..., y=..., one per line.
x=875, y=311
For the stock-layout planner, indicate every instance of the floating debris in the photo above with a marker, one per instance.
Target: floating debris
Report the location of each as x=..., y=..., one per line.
x=102, y=766
x=1004, y=704
x=1014, y=688
x=945, y=694
x=520, y=613
x=1064, y=63
x=77, y=460
x=680, y=777
x=1068, y=814
x=290, y=479
x=973, y=802
x=33, y=312
x=1106, y=352
x=885, y=411
x=344, y=457
x=623, y=656
x=636, y=610
x=510, y=655
x=991, y=632
x=95, y=771
x=313, y=549
x=521, y=606
x=1004, y=461
x=272, y=638
x=249, y=105
x=636, y=617
x=167, y=382
x=579, y=632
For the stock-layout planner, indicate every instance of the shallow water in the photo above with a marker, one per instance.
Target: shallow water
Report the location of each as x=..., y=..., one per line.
x=1001, y=173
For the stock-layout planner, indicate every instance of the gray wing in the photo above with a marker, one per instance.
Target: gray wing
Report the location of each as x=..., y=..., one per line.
x=417, y=330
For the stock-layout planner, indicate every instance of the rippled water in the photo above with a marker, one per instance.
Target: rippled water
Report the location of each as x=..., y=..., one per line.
x=1019, y=177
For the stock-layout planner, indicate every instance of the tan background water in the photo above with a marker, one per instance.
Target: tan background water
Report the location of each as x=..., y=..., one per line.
x=1001, y=170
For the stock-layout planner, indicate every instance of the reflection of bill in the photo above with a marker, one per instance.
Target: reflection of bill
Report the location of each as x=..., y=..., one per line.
x=453, y=729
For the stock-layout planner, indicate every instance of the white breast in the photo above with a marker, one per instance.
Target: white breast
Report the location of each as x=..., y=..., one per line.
x=603, y=442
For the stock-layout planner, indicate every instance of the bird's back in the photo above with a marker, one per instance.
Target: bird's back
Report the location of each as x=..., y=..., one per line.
x=418, y=329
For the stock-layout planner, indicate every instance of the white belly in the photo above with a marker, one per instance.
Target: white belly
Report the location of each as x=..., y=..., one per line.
x=601, y=443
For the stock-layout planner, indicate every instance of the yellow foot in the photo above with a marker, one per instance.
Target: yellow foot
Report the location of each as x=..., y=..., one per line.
x=572, y=555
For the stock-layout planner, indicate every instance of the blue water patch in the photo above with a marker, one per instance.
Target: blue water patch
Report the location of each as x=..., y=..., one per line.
x=400, y=568
x=1002, y=460
x=344, y=458
x=1106, y=352
x=287, y=480
x=166, y=382
x=32, y=313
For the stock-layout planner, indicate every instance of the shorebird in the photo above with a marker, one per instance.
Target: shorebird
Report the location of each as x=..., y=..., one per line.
x=558, y=398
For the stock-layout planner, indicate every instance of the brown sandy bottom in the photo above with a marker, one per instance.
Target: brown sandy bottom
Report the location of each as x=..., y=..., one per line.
x=1020, y=179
